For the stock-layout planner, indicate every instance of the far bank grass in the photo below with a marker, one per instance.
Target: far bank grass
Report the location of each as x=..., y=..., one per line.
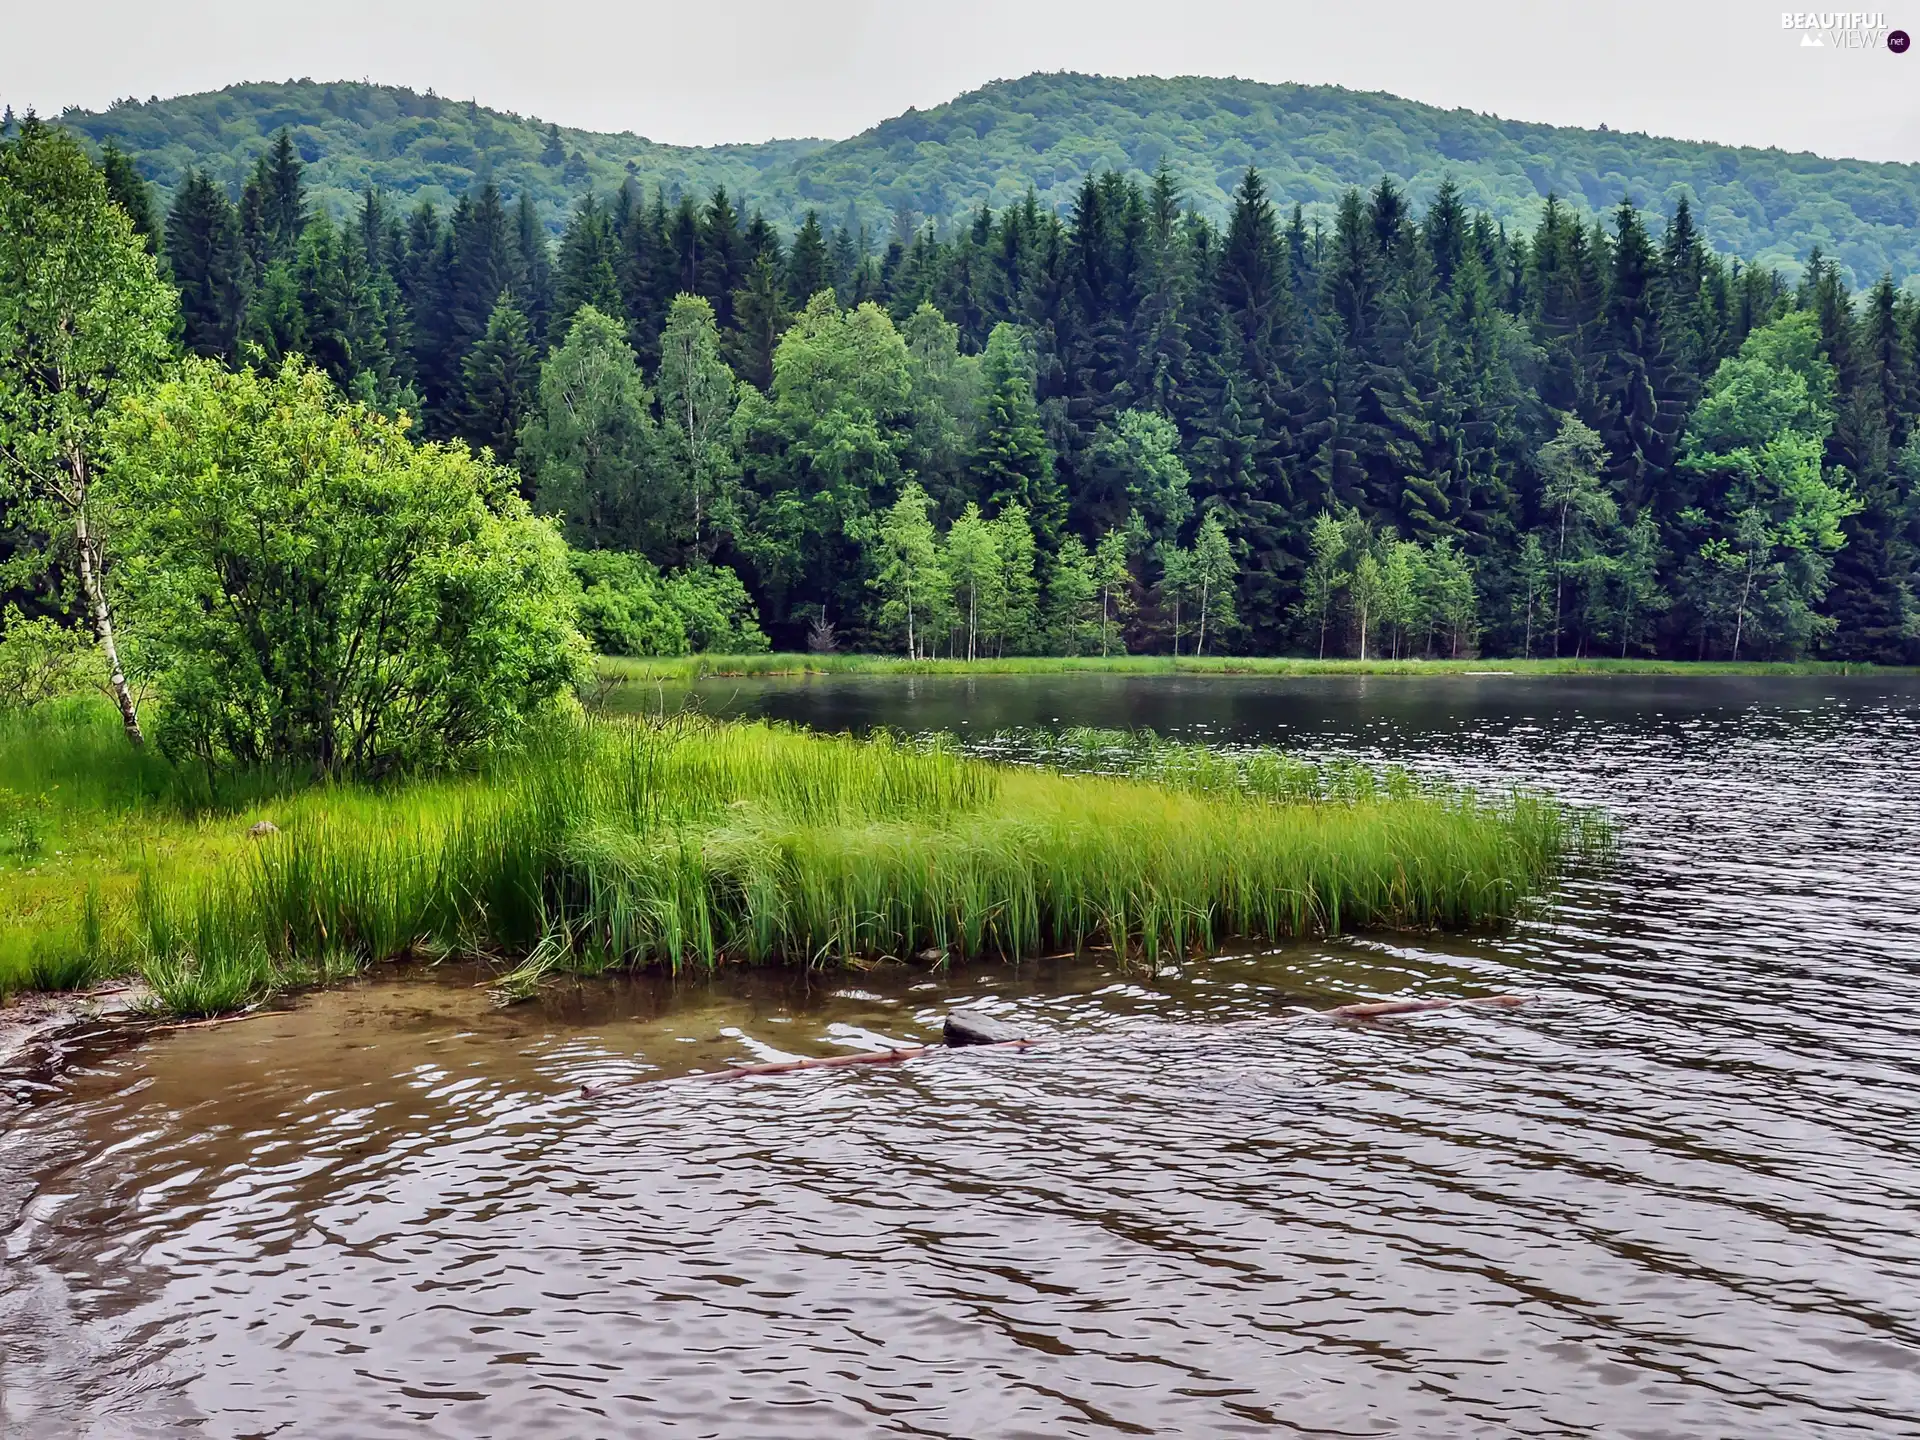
x=685, y=669
x=689, y=843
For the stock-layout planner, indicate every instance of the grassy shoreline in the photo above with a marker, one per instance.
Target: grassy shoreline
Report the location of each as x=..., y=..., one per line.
x=688, y=842
x=685, y=669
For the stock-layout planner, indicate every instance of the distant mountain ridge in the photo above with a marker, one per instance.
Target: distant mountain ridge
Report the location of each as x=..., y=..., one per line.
x=1049, y=132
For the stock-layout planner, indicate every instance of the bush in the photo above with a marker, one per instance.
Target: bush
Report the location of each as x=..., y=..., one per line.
x=316, y=591
x=40, y=660
x=717, y=611
x=624, y=607
x=627, y=607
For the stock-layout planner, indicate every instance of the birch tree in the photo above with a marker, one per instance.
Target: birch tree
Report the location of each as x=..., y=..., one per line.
x=1214, y=571
x=911, y=579
x=697, y=389
x=84, y=321
x=974, y=578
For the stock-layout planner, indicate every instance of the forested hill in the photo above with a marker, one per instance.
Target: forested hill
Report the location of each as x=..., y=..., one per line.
x=1050, y=132
x=421, y=147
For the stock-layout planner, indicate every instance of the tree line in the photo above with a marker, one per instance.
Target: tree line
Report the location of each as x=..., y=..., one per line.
x=1123, y=426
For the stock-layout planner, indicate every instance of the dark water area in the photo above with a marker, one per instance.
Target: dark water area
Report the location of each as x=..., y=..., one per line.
x=1677, y=1197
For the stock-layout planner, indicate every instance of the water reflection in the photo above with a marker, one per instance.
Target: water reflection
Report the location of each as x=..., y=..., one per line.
x=1673, y=1199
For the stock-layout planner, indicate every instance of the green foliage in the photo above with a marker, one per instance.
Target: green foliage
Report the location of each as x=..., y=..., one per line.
x=501, y=374
x=1214, y=569
x=41, y=659
x=1478, y=414
x=418, y=147
x=624, y=606
x=84, y=322
x=591, y=448
x=719, y=615
x=1012, y=462
x=914, y=587
x=697, y=392
x=1073, y=600
x=316, y=591
x=1139, y=457
x=1767, y=540
x=975, y=579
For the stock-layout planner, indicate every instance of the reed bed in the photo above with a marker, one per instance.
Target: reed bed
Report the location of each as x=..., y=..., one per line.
x=691, y=843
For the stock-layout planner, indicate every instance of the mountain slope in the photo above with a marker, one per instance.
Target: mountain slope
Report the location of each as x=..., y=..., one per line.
x=1050, y=132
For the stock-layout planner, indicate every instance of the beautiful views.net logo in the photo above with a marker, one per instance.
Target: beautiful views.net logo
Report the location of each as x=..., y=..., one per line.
x=1844, y=30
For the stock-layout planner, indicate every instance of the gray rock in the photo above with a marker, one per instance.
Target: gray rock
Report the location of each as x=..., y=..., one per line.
x=970, y=1027
x=262, y=829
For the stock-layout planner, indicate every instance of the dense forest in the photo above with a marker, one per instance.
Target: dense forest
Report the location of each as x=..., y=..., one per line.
x=1409, y=430
x=1049, y=133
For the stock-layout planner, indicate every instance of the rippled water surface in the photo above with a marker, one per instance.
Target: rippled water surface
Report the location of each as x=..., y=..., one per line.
x=1680, y=1196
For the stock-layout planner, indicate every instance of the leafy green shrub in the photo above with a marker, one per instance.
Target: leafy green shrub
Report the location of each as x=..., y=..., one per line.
x=624, y=607
x=717, y=611
x=627, y=607
x=316, y=591
x=40, y=660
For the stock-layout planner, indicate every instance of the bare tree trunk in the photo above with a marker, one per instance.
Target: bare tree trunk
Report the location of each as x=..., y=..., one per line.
x=96, y=600
x=1559, y=579
x=1740, y=615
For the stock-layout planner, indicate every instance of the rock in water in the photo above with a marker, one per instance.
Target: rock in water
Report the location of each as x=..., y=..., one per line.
x=970, y=1027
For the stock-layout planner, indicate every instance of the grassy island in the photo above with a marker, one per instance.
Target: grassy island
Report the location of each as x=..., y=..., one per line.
x=686, y=842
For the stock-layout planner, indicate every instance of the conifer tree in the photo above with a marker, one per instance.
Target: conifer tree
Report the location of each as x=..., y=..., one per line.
x=127, y=189
x=809, y=266
x=1012, y=462
x=208, y=265
x=587, y=270
x=500, y=376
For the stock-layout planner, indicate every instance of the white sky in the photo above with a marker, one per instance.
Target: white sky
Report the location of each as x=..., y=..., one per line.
x=704, y=71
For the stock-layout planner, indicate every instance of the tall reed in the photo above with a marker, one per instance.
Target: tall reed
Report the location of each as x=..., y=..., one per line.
x=693, y=843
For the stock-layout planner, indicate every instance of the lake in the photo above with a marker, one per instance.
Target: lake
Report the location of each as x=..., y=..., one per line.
x=1674, y=1197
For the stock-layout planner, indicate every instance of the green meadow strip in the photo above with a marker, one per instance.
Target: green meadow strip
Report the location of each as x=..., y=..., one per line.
x=685, y=669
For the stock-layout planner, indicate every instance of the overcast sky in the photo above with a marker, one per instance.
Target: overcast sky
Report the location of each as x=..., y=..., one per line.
x=703, y=71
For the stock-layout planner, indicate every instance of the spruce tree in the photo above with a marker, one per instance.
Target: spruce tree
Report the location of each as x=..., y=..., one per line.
x=499, y=375
x=587, y=273
x=127, y=189
x=1640, y=408
x=1012, y=461
x=532, y=282
x=208, y=263
x=809, y=266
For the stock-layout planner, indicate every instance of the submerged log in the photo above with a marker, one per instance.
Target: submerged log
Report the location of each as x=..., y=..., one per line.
x=828, y=1062
x=971, y=1027
x=1378, y=1009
